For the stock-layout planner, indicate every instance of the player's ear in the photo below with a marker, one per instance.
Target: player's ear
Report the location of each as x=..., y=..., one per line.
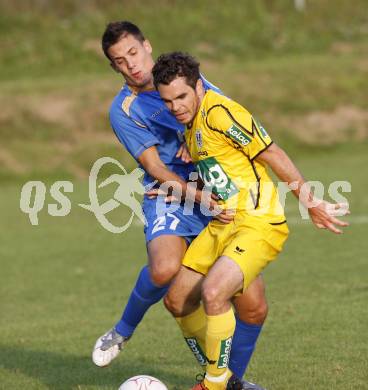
x=199, y=88
x=147, y=46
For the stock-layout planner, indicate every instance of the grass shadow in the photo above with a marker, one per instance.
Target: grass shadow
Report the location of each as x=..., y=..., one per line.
x=61, y=371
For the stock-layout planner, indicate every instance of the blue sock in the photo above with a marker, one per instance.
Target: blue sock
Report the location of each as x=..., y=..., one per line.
x=144, y=295
x=244, y=342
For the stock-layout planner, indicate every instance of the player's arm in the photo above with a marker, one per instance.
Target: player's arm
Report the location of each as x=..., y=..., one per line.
x=322, y=213
x=155, y=167
x=241, y=129
x=141, y=144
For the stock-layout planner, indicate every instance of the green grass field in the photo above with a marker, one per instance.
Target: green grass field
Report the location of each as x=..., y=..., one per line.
x=302, y=74
x=64, y=282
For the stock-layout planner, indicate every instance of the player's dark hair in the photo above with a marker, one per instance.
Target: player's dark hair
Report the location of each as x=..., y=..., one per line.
x=116, y=30
x=169, y=66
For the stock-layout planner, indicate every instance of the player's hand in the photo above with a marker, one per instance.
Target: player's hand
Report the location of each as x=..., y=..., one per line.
x=225, y=216
x=183, y=153
x=210, y=201
x=155, y=192
x=324, y=215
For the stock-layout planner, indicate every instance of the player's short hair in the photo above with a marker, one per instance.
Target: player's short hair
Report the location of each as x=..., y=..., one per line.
x=169, y=66
x=116, y=30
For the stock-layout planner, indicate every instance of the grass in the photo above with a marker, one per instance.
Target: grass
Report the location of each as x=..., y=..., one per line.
x=65, y=282
x=315, y=100
x=292, y=70
x=63, y=37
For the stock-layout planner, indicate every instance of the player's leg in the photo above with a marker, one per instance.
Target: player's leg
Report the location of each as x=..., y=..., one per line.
x=251, y=306
x=251, y=312
x=261, y=243
x=192, y=319
x=164, y=259
x=183, y=302
x=223, y=280
x=165, y=253
x=200, y=257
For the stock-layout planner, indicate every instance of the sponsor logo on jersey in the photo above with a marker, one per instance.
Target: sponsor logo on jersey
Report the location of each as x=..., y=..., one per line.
x=225, y=349
x=199, y=140
x=261, y=129
x=157, y=113
x=197, y=350
x=238, y=135
x=203, y=153
x=215, y=178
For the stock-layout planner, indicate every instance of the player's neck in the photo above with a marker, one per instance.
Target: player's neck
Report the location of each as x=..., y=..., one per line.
x=201, y=95
x=200, y=98
x=144, y=88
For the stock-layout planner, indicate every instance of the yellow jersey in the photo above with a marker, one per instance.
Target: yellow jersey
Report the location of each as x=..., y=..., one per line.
x=224, y=141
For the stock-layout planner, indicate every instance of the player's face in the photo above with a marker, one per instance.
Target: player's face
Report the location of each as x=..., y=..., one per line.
x=181, y=99
x=133, y=59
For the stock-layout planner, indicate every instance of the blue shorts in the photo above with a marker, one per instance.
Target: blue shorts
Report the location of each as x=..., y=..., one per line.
x=172, y=219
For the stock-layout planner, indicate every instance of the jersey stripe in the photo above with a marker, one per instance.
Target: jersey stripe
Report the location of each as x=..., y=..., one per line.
x=228, y=112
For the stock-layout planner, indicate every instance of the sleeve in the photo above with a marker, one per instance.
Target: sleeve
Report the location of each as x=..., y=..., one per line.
x=135, y=136
x=240, y=128
x=208, y=85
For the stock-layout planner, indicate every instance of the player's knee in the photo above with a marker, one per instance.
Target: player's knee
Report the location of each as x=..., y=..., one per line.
x=163, y=274
x=211, y=296
x=173, y=305
x=256, y=314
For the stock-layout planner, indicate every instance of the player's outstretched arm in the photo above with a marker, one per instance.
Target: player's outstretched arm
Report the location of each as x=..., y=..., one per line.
x=322, y=213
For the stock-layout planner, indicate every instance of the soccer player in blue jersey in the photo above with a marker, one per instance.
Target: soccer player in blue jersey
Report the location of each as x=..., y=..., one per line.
x=153, y=136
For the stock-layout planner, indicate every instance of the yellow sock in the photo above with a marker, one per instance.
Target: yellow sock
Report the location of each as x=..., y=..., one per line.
x=193, y=327
x=220, y=330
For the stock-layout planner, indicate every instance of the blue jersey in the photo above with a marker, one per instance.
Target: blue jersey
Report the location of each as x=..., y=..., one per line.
x=140, y=121
x=143, y=120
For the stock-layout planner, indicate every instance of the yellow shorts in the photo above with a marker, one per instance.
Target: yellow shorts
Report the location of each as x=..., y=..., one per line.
x=249, y=241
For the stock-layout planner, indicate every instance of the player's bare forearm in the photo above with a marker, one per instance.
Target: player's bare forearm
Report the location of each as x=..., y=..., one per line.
x=323, y=214
x=156, y=168
x=281, y=164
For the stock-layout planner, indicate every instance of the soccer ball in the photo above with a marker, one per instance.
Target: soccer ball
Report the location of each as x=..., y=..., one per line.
x=143, y=382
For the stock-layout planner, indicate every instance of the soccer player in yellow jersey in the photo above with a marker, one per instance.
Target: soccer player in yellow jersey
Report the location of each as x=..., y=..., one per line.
x=231, y=151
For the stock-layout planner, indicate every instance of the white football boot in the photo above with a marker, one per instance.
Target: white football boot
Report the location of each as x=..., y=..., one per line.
x=107, y=348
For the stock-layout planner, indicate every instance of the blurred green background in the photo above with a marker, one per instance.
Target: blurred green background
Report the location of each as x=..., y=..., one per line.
x=304, y=74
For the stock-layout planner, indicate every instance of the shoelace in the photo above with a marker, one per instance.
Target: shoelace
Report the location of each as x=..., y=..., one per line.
x=109, y=340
